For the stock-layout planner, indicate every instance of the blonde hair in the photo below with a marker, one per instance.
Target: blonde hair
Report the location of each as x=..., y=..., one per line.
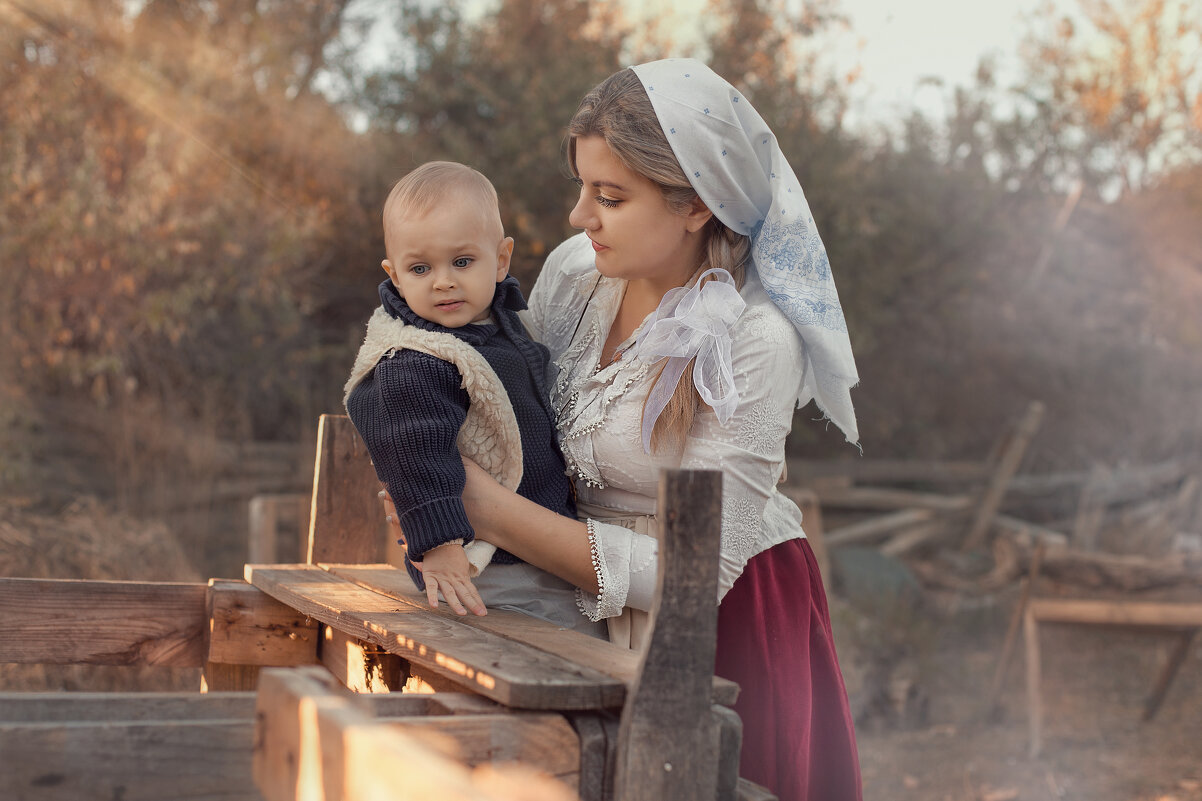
x=426, y=186
x=619, y=111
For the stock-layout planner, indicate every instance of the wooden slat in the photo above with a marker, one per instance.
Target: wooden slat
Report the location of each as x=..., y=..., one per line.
x=132, y=761
x=1009, y=458
x=573, y=646
x=888, y=471
x=876, y=527
x=124, y=707
x=310, y=735
x=346, y=521
x=249, y=627
x=506, y=671
x=887, y=498
x=59, y=621
x=1117, y=613
x=669, y=746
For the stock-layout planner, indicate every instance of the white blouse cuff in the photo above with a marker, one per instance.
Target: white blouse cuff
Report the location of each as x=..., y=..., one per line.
x=625, y=564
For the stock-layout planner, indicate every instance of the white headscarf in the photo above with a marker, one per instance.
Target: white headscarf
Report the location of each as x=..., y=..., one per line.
x=735, y=165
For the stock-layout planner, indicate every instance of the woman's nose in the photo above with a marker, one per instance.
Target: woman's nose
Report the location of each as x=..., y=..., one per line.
x=581, y=215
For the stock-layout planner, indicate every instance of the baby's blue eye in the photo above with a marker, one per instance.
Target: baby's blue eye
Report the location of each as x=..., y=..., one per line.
x=462, y=261
x=420, y=269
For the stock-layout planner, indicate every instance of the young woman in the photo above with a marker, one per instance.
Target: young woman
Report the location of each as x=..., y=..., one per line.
x=691, y=317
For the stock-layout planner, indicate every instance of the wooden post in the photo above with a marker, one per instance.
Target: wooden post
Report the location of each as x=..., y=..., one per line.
x=248, y=629
x=1010, y=456
x=811, y=520
x=1034, y=701
x=346, y=523
x=668, y=740
x=1173, y=664
x=1016, y=618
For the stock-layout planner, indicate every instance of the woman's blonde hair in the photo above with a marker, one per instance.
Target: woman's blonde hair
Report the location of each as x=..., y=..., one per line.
x=619, y=111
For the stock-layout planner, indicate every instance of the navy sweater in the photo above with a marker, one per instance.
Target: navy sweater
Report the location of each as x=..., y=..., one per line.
x=410, y=408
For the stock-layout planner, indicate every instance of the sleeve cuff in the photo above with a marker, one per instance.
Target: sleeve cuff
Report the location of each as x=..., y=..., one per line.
x=626, y=568
x=435, y=523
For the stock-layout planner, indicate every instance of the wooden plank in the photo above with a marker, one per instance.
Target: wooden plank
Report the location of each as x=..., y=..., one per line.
x=132, y=761
x=888, y=471
x=62, y=621
x=573, y=646
x=249, y=627
x=125, y=707
x=875, y=527
x=312, y=741
x=346, y=521
x=360, y=666
x=1117, y=613
x=887, y=498
x=506, y=671
x=1009, y=458
x=668, y=742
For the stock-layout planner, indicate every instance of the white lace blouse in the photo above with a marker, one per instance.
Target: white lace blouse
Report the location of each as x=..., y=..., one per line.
x=599, y=414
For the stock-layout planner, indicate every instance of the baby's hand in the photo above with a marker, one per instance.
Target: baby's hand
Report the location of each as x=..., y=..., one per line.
x=446, y=570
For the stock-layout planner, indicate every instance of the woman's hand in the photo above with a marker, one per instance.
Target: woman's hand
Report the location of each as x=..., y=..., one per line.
x=483, y=498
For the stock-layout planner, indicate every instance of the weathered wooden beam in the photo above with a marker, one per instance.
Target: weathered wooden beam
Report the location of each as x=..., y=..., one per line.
x=573, y=646
x=669, y=745
x=506, y=671
x=130, y=760
x=888, y=471
x=876, y=527
x=1172, y=665
x=313, y=741
x=1010, y=456
x=61, y=621
x=346, y=521
x=360, y=666
x=249, y=627
x=76, y=707
x=887, y=498
x=1117, y=613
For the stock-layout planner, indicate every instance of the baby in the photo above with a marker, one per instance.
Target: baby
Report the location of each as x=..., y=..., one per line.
x=447, y=368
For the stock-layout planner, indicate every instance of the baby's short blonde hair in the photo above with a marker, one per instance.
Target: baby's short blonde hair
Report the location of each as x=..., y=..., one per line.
x=424, y=187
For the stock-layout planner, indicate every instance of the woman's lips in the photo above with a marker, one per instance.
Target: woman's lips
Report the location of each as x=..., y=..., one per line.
x=598, y=247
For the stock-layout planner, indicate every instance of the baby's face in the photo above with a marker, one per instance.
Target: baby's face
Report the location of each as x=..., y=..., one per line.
x=446, y=261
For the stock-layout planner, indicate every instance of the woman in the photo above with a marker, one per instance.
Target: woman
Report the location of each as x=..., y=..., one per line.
x=687, y=321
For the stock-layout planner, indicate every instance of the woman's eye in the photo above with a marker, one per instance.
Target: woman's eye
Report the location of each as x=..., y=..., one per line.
x=420, y=269
x=606, y=202
x=462, y=261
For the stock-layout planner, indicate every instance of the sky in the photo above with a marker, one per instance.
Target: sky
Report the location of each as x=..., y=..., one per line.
x=897, y=43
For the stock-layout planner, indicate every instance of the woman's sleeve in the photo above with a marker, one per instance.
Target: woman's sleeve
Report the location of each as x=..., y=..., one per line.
x=555, y=303
x=749, y=450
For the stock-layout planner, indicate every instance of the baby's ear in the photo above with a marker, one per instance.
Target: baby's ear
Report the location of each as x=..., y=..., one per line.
x=388, y=268
x=504, y=254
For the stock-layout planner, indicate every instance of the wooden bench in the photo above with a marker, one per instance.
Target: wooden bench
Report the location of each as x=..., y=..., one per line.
x=606, y=722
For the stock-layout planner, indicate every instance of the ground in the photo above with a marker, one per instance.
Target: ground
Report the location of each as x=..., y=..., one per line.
x=1096, y=745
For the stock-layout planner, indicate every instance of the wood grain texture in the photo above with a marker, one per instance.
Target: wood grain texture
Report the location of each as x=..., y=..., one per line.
x=312, y=736
x=132, y=761
x=123, y=707
x=668, y=741
x=346, y=521
x=509, y=672
x=1117, y=613
x=573, y=646
x=249, y=627
x=58, y=621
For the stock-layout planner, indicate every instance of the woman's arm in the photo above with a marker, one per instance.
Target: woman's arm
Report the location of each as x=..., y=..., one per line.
x=533, y=533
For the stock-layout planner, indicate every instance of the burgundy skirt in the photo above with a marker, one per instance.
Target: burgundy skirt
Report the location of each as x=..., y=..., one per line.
x=774, y=639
